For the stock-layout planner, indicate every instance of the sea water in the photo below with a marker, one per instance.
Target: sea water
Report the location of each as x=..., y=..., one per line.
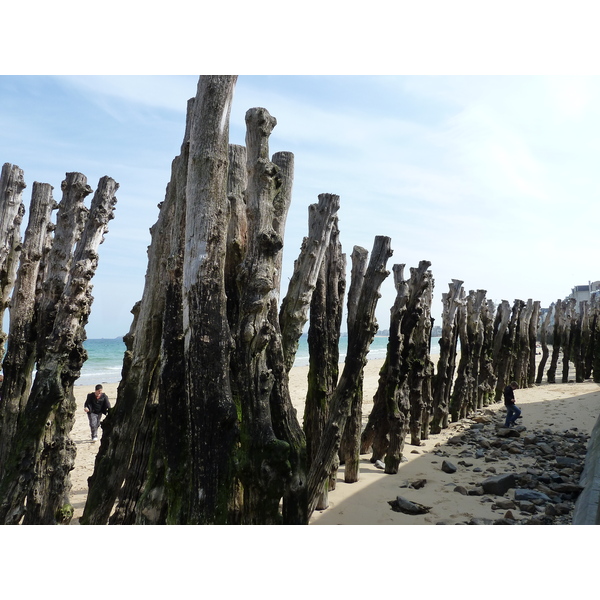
x=104, y=363
x=105, y=357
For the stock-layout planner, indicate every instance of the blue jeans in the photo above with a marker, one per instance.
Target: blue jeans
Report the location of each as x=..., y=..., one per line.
x=94, y=423
x=512, y=414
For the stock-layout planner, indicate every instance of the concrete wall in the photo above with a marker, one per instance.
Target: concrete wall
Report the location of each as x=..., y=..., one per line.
x=587, y=507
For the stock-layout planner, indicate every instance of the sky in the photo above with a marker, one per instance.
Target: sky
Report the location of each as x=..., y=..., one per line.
x=492, y=178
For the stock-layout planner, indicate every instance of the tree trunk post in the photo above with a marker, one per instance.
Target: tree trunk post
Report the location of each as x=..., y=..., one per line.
x=39, y=465
x=556, y=340
x=544, y=343
x=359, y=339
x=12, y=209
x=19, y=360
x=323, y=343
x=208, y=342
x=293, y=314
x=349, y=450
x=442, y=381
x=142, y=362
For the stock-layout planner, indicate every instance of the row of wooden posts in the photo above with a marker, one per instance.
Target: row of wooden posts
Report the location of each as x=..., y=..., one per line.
x=45, y=280
x=483, y=348
x=203, y=430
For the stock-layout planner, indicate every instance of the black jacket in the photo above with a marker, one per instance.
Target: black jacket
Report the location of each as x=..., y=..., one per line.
x=509, y=395
x=98, y=406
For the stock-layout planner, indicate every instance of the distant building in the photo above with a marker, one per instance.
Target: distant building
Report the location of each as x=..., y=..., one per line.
x=584, y=293
x=581, y=293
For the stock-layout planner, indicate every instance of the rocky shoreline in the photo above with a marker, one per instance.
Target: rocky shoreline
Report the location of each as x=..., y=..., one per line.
x=529, y=476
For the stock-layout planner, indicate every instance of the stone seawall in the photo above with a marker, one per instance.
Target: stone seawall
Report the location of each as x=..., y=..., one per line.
x=587, y=507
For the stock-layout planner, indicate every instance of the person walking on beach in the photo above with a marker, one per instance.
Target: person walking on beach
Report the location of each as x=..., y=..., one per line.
x=513, y=412
x=96, y=405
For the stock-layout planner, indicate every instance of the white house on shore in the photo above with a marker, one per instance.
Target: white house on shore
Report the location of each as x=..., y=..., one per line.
x=583, y=293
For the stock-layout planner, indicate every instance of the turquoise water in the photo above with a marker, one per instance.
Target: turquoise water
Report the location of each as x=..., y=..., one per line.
x=105, y=357
x=104, y=363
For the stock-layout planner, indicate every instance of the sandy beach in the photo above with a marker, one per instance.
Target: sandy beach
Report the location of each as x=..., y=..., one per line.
x=556, y=407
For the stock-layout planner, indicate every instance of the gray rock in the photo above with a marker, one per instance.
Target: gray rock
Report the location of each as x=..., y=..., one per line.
x=529, y=495
x=545, y=448
x=527, y=507
x=567, y=488
x=567, y=461
x=505, y=503
x=507, y=432
x=415, y=484
x=401, y=504
x=448, y=467
x=499, y=485
x=461, y=490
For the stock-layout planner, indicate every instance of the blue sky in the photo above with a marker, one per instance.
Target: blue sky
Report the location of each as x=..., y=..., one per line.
x=491, y=178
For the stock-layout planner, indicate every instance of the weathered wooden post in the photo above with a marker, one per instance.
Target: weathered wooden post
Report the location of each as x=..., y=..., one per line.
x=580, y=340
x=486, y=381
x=349, y=450
x=359, y=339
x=12, y=209
x=505, y=334
x=544, y=343
x=521, y=349
x=125, y=429
x=19, y=361
x=293, y=314
x=387, y=404
x=534, y=325
x=559, y=308
x=323, y=343
x=464, y=395
x=567, y=330
x=442, y=380
x=37, y=468
x=419, y=366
